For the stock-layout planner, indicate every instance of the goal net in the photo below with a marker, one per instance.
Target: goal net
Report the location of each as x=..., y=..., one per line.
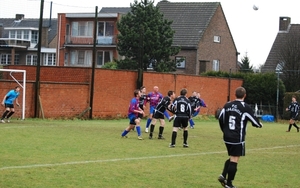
x=22, y=84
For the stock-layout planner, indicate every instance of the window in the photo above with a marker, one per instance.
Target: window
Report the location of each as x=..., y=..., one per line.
x=34, y=37
x=81, y=58
x=105, y=28
x=82, y=29
x=5, y=59
x=49, y=59
x=26, y=34
x=31, y=59
x=19, y=34
x=104, y=57
x=180, y=62
x=216, y=65
x=217, y=39
x=12, y=34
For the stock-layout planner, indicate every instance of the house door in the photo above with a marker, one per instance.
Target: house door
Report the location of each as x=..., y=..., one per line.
x=202, y=66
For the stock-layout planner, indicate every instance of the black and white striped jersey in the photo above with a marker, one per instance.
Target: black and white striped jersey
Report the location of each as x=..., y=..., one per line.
x=233, y=121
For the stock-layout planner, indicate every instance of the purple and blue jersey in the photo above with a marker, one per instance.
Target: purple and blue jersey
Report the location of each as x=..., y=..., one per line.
x=154, y=98
x=134, y=105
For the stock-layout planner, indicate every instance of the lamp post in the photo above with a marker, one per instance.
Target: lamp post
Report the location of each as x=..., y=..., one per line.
x=278, y=71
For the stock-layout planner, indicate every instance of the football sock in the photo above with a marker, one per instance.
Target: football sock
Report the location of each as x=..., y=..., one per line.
x=185, y=136
x=124, y=133
x=138, y=130
x=161, y=130
x=4, y=114
x=225, y=169
x=232, y=168
x=290, y=126
x=191, y=123
x=148, y=122
x=151, y=129
x=174, y=135
x=166, y=114
x=10, y=114
x=296, y=126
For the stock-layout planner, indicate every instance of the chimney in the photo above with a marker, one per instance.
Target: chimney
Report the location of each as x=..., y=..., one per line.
x=284, y=23
x=20, y=16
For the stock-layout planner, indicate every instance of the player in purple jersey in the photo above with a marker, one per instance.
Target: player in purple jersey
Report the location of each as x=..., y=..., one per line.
x=142, y=101
x=8, y=103
x=153, y=98
x=133, y=112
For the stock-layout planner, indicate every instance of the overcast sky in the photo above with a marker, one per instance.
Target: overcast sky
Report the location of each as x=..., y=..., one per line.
x=253, y=31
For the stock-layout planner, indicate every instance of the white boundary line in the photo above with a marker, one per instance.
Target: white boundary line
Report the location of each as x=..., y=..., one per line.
x=136, y=158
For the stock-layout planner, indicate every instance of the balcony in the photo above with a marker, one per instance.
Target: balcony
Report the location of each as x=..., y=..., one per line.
x=101, y=40
x=12, y=42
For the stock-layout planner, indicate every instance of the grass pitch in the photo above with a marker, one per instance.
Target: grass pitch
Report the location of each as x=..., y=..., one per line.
x=77, y=153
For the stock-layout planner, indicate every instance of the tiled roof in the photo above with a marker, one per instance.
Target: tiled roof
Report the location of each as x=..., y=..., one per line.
x=273, y=59
x=115, y=10
x=29, y=23
x=190, y=20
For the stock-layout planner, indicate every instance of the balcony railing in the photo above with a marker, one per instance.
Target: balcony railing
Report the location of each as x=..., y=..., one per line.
x=10, y=42
x=101, y=40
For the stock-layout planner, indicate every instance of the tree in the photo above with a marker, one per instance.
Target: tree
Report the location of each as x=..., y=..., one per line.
x=246, y=68
x=145, y=39
x=289, y=61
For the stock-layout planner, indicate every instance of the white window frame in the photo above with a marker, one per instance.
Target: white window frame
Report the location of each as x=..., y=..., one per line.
x=31, y=59
x=215, y=65
x=181, y=60
x=217, y=39
x=82, y=29
x=5, y=59
x=85, y=61
x=49, y=59
x=104, y=31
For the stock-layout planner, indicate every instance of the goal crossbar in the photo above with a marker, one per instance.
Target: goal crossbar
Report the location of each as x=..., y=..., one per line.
x=22, y=86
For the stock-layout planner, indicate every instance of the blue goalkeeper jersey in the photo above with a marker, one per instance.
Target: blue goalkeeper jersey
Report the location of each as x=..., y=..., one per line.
x=11, y=96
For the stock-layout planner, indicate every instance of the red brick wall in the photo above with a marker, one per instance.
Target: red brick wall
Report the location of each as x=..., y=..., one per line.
x=64, y=91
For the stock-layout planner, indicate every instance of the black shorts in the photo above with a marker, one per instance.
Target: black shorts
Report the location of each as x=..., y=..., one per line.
x=141, y=115
x=236, y=149
x=9, y=105
x=293, y=116
x=158, y=115
x=181, y=122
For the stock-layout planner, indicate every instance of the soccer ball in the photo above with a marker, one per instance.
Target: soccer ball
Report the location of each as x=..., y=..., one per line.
x=255, y=7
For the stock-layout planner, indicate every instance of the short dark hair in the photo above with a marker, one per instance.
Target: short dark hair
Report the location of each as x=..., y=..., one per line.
x=240, y=92
x=142, y=87
x=294, y=96
x=170, y=93
x=183, y=92
x=136, y=92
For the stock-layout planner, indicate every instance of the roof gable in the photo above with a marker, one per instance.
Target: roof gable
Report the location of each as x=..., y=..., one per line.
x=190, y=20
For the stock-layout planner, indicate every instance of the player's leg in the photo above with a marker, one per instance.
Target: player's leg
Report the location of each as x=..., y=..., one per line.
x=149, y=119
x=152, y=126
x=294, y=123
x=184, y=124
x=130, y=126
x=7, y=110
x=235, y=153
x=12, y=111
x=191, y=123
x=138, y=128
x=161, y=128
x=176, y=125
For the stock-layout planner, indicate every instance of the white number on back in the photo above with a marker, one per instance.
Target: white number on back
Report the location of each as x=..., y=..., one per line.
x=231, y=122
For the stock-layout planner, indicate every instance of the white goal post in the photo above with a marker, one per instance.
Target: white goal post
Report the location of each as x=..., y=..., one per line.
x=22, y=86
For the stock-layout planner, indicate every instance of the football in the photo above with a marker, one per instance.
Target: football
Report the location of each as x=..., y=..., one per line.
x=255, y=7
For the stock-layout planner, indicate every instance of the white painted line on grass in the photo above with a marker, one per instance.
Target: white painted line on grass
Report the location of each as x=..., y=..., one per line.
x=136, y=158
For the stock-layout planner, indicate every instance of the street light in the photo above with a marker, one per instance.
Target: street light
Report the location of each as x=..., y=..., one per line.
x=278, y=71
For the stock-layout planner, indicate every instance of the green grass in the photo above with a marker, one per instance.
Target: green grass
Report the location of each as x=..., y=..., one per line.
x=77, y=153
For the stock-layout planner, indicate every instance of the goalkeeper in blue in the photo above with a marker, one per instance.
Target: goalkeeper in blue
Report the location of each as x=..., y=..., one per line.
x=133, y=115
x=8, y=103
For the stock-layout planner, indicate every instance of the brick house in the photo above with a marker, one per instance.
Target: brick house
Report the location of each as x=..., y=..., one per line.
x=286, y=29
x=19, y=39
x=76, y=38
x=202, y=32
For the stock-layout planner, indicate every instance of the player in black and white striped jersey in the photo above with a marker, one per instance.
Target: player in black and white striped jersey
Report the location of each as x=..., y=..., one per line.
x=233, y=122
x=294, y=109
